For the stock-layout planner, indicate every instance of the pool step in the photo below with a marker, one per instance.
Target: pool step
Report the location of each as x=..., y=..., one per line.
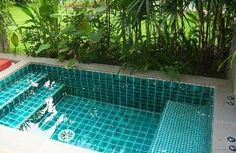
x=19, y=90
x=22, y=112
x=183, y=128
x=23, y=80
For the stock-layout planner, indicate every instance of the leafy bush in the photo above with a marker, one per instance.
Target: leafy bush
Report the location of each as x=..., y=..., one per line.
x=183, y=36
x=5, y=20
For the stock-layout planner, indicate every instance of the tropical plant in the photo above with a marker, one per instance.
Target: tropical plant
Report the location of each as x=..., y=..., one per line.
x=5, y=20
x=40, y=32
x=174, y=36
x=53, y=31
x=191, y=36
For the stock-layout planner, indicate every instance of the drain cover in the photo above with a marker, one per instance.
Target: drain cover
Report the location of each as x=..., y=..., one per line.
x=66, y=135
x=232, y=148
x=231, y=139
x=230, y=97
x=230, y=103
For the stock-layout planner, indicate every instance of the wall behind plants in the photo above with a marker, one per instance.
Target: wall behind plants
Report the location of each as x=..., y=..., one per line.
x=174, y=36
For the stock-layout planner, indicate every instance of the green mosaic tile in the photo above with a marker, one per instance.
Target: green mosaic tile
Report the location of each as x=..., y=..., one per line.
x=103, y=127
x=146, y=94
x=111, y=95
x=12, y=78
x=14, y=92
x=184, y=128
x=20, y=113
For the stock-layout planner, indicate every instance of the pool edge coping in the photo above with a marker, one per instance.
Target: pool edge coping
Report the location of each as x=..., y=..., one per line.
x=224, y=115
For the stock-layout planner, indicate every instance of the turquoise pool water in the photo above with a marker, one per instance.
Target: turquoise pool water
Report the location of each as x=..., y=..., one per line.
x=108, y=112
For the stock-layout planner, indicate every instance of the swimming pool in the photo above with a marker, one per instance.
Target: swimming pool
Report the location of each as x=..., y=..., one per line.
x=108, y=112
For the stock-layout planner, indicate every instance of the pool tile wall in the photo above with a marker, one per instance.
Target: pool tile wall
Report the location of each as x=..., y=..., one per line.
x=56, y=98
x=9, y=104
x=130, y=91
x=147, y=94
x=10, y=79
x=184, y=129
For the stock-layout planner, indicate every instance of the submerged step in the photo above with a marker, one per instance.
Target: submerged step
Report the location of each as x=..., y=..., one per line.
x=19, y=114
x=183, y=128
x=16, y=90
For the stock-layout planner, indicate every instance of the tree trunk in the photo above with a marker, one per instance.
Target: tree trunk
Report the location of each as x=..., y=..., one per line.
x=4, y=46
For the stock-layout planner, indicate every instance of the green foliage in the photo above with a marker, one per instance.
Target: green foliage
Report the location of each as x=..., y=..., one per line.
x=15, y=40
x=174, y=36
x=5, y=20
x=172, y=72
x=71, y=63
x=4, y=15
x=229, y=59
x=41, y=30
x=43, y=47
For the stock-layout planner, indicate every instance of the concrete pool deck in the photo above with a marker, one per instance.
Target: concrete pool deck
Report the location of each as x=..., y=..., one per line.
x=224, y=122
